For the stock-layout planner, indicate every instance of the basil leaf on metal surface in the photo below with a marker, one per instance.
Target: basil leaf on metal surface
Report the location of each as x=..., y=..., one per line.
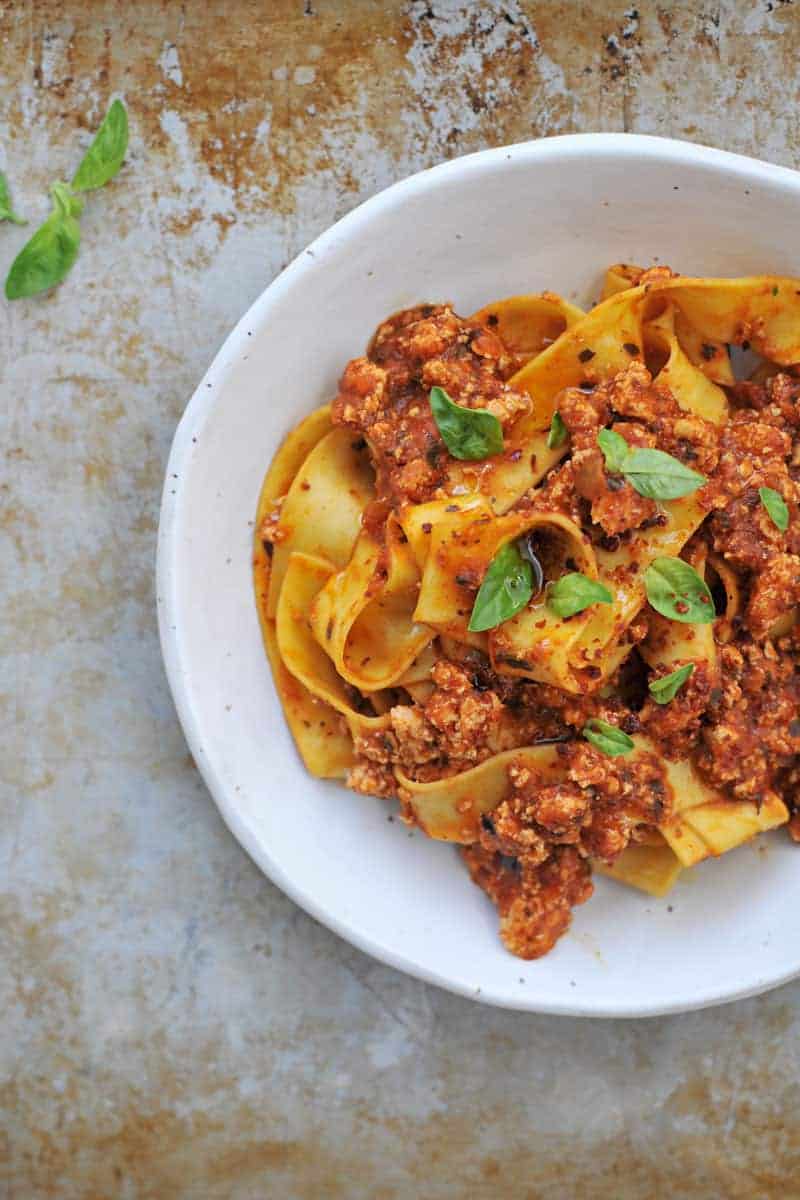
x=468, y=433
x=105, y=156
x=775, y=505
x=47, y=257
x=575, y=592
x=6, y=210
x=608, y=738
x=667, y=687
x=615, y=449
x=558, y=432
x=659, y=476
x=507, y=587
x=675, y=590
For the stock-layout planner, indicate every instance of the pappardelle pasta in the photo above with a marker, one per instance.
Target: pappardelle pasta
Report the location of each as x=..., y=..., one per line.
x=535, y=573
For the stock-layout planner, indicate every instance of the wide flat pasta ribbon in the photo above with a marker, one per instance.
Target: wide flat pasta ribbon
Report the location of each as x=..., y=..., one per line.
x=322, y=511
x=450, y=809
x=699, y=821
x=364, y=616
x=300, y=652
x=580, y=654
x=762, y=310
x=291, y=455
x=705, y=824
x=527, y=325
x=692, y=390
x=710, y=356
x=324, y=742
x=650, y=868
x=325, y=745
x=595, y=348
x=724, y=627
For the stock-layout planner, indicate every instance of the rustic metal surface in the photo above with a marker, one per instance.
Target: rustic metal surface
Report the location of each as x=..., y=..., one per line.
x=172, y=1026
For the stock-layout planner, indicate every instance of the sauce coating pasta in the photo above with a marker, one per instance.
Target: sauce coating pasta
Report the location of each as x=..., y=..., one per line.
x=535, y=574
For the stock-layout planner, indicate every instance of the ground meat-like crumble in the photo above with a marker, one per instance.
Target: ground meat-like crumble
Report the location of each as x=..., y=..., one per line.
x=384, y=396
x=753, y=728
x=677, y=726
x=645, y=415
x=738, y=719
x=534, y=903
x=532, y=853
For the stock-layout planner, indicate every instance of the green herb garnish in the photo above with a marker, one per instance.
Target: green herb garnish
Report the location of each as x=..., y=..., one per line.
x=667, y=687
x=468, y=433
x=47, y=257
x=675, y=590
x=105, y=156
x=507, y=587
x=558, y=432
x=575, y=592
x=608, y=738
x=653, y=474
x=775, y=505
x=6, y=211
x=615, y=449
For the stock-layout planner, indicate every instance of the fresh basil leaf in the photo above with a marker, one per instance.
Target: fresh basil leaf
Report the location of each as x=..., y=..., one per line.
x=675, y=590
x=667, y=687
x=558, y=432
x=468, y=433
x=659, y=476
x=654, y=474
x=775, y=505
x=615, y=449
x=507, y=587
x=47, y=257
x=105, y=156
x=6, y=211
x=575, y=592
x=608, y=738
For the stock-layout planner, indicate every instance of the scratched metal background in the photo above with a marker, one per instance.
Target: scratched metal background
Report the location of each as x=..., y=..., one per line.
x=170, y=1025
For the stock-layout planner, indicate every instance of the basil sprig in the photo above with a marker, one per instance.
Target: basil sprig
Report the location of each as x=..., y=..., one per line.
x=675, y=590
x=775, y=505
x=558, y=432
x=507, y=587
x=608, y=738
x=105, y=155
x=654, y=474
x=575, y=592
x=47, y=257
x=667, y=687
x=6, y=210
x=468, y=433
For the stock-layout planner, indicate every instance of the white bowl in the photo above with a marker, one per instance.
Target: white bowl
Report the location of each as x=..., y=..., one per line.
x=547, y=214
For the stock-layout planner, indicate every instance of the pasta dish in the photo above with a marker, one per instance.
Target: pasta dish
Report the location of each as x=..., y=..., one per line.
x=535, y=574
